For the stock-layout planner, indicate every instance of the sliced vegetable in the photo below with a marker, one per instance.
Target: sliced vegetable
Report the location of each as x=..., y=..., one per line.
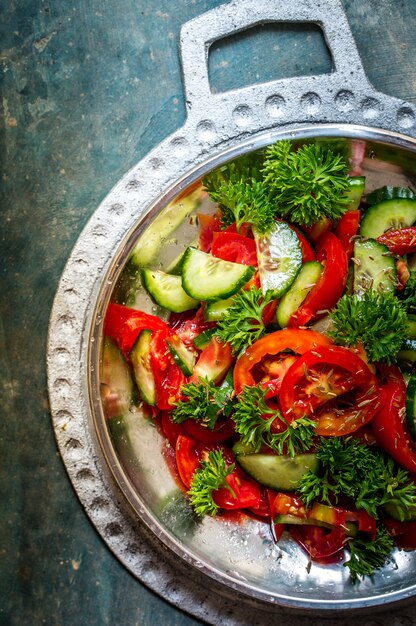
x=279, y=258
x=374, y=267
x=183, y=357
x=234, y=247
x=214, y=361
x=402, y=241
x=166, y=290
x=389, y=193
x=277, y=472
x=388, y=215
x=205, y=277
x=142, y=368
x=293, y=298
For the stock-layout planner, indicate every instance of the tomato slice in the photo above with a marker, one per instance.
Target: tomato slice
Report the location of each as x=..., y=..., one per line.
x=388, y=423
x=272, y=345
x=347, y=228
x=234, y=247
x=222, y=431
x=189, y=454
x=214, y=361
x=319, y=542
x=329, y=286
x=401, y=241
x=124, y=325
x=307, y=251
x=208, y=224
x=323, y=375
x=246, y=493
x=189, y=325
x=170, y=429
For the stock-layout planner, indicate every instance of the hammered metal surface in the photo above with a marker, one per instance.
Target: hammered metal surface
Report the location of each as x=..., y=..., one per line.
x=216, y=123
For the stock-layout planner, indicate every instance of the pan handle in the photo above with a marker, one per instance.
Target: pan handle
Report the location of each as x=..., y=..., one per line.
x=199, y=33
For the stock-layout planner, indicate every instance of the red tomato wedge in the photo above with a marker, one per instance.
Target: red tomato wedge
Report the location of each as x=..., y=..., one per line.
x=388, y=423
x=234, y=247
x=294, y=340
x=316, y=384
x=124, y=325
x=401, y=241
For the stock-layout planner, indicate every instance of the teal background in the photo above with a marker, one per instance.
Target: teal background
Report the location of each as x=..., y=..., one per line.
x=87, y=89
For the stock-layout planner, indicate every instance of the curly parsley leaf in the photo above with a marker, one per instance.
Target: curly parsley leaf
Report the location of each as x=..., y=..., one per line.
x=204, y=403
x=243, y=323
x=366, y=476
x=408, y=295
x=367, y=555
x=241, y=201
x=308, y=184
x=253, y=421
x=376, y=320
x=206, y=480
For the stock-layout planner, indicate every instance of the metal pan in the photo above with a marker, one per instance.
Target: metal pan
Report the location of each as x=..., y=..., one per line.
x=218, y=571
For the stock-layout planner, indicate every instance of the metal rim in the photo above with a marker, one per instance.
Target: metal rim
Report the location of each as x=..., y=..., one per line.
x=80, y=446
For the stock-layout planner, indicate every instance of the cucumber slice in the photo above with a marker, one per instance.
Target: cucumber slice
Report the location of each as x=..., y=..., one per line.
x=143, y=374
x=202, y=340
x=166, y=290
x=183, y=357
x=280, y=258
x=407, y=354
x=411, y=406
x=117, y=386
x=205, y=277
x=387, y=215
x=389, y=193
x=355, y=192
x=293, y=298
x=374, y=267
x=282, y=473
x=214, y=311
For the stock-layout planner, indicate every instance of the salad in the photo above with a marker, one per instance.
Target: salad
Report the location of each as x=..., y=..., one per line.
x=282, y=371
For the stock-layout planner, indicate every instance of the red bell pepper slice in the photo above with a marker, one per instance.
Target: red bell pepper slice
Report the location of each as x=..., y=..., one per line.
x=347, y=228
x=234, y=247
x=401, y=241
x=329, y=286
x=124, y=325
x=388, y=424
x=272, y=345
x=313, y=383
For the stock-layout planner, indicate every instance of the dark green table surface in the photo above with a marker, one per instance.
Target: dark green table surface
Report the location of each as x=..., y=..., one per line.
x=88, y=88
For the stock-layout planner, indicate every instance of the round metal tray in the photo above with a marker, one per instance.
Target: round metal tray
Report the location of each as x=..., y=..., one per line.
x=121, y=489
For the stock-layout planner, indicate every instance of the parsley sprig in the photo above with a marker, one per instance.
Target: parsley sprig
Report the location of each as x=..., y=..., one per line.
x=204, y=402
x=408, y=295
x=209, y=477
x=243, y=323
x=366, y=554
x=241, y=201
x=366, y=476
x=376, y=320
x=254, y=418
x=308, y=184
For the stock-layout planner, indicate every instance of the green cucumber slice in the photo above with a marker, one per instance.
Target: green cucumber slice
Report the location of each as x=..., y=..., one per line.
x=202, y=340
x=117, y=387
x=282, y=473
x=143, y=374
x=354, y=192
x=293, y=298
x=407, y=354
x=205, y=277
x=387, y=215
x=280, y=258
x=214, y=311
x=389, y=193
x=411, y=406
x=166, y=290
x=374, y=267
x=183, y=357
